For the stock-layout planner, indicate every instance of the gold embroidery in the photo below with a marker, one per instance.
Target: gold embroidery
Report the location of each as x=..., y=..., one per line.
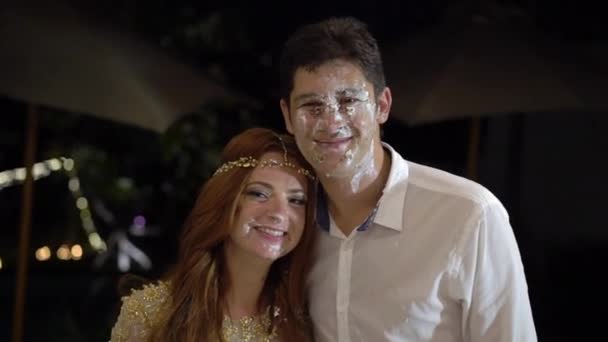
x=249, y=329
x=140, y=311
x=144, y=308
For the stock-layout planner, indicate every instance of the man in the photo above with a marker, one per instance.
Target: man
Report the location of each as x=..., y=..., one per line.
x=406, y=252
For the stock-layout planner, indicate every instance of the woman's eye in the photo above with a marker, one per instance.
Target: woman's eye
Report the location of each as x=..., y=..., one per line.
x=298, y=201
x=256, y=194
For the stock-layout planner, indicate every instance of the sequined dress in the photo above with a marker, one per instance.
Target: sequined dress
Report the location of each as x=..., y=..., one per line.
x=145, y=308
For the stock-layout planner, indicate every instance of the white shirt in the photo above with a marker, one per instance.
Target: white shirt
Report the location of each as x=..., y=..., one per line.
x=439, y=263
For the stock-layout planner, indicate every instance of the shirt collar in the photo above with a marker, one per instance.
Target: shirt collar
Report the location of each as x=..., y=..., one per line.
x=323, y=219
x=392, y=202
x=389, y=209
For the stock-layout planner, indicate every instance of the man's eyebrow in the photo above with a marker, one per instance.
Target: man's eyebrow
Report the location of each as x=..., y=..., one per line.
x=305, y=96
x=352, y=91
x=341, y=92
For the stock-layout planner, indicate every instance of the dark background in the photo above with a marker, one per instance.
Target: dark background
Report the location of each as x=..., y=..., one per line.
x=549, y=169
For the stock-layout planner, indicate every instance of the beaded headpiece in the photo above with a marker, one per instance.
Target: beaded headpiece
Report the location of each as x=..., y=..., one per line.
x=252, y=162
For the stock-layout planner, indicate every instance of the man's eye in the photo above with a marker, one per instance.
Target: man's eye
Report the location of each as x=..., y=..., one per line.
x=349, y=100
x=312, y=104
x=313, y=109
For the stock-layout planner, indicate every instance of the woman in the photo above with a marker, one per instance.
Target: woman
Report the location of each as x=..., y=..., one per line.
x=243, y=256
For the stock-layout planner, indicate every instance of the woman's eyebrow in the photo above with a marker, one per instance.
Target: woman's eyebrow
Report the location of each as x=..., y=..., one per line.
x=264, y=184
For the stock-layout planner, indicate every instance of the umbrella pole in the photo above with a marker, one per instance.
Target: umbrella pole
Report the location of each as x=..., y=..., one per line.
x=473, y=150
x=25, y=227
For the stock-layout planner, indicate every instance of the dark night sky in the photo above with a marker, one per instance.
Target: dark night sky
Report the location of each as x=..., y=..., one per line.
x=254, y=32
x=263, y=27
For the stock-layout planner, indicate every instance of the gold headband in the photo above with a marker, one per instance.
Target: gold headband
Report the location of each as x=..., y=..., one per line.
x=252, y=162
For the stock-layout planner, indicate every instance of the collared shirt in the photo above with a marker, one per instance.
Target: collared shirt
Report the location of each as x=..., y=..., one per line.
x=438, y=263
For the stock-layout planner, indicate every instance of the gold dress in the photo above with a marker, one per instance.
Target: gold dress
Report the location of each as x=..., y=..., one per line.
x=144, y=309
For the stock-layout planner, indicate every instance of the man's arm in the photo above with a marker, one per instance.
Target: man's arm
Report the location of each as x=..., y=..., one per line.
x=498, y=306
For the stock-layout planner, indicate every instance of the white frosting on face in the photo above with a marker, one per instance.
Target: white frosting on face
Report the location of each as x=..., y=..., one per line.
x=333, y=116
x=253, y=232
x=271, y=211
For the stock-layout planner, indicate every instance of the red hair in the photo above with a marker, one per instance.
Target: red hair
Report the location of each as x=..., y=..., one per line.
x=199, y=279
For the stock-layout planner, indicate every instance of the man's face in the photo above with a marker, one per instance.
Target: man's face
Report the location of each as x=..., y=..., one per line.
x=335, y=118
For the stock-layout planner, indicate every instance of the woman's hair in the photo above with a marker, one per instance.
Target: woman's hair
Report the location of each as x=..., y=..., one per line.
x=199, y=279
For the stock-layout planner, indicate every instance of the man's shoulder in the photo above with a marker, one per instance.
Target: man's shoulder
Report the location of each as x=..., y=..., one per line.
x=437, y=182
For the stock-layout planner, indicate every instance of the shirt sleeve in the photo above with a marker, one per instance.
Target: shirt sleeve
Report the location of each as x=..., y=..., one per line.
x=139, y=312
x=497, y=306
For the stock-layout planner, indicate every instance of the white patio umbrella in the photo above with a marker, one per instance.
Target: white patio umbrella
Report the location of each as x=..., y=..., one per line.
x=51, y=55
x=466, y=69
x=54, y=56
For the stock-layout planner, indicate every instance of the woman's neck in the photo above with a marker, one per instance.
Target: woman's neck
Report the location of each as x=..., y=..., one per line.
x=247, y=276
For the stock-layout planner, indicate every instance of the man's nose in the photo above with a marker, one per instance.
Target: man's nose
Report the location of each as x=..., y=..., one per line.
x=333, y=118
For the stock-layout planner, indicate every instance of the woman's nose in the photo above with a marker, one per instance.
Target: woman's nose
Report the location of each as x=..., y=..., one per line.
x=277, y=210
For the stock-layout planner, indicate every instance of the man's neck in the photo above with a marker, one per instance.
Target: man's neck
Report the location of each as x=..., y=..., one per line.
x=350, y=205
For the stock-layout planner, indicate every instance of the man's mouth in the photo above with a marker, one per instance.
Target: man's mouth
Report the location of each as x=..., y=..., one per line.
x=333, y=143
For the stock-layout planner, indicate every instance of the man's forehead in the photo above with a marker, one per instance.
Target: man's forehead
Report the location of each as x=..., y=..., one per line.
x=332, y=68
x=339, y=92
x=315, y=83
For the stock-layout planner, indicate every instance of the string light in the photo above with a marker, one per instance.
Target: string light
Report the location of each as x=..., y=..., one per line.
x=68, y=164
x=74, y=184
x=63, y=253
x=5, y=178
x=54, y=164
x=96, y=241
x=82, y=203
x=76, y=251
x=43, y=253
x=40, y=170
x=44, y=169
x=20, y=173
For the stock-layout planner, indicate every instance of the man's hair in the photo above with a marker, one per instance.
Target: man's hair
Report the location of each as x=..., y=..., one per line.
x=314, y=44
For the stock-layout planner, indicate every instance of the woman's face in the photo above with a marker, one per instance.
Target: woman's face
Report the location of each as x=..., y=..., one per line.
x=271, y=212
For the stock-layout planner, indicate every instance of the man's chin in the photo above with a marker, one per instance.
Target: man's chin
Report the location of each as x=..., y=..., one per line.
x=333, y=170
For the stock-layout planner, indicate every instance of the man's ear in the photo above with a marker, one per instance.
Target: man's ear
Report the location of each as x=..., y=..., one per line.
x=286, y=116
x=383, y=103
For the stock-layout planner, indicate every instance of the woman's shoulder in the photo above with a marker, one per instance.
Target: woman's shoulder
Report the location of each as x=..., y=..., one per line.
x=141, y=310
x=147, y=300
